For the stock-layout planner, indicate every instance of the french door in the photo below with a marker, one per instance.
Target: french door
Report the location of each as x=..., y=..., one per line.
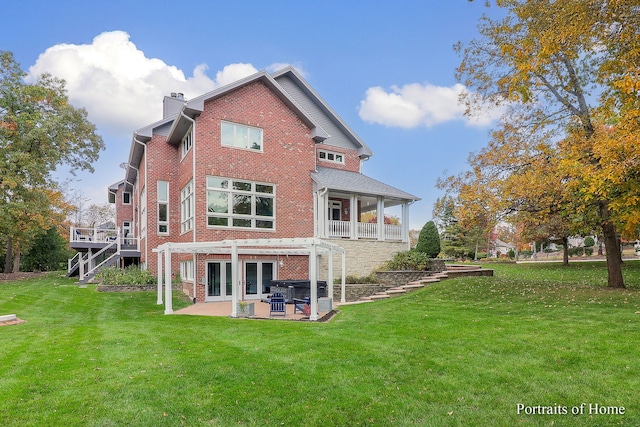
x=256, y=280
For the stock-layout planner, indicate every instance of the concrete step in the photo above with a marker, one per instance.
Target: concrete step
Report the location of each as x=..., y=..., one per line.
x=413, y=285
x=396, y=291
x=380, y=296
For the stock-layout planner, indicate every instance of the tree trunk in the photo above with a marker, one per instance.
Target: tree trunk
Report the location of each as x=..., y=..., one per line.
x=9, y=256
x=565, y=250
x=16, y=260
x=612, y=248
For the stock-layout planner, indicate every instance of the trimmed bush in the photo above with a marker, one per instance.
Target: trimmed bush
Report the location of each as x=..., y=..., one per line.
x=429, y=240
x=589, y=242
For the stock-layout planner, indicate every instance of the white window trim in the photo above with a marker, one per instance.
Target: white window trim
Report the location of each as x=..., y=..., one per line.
x=253, y=217
x=331, y=156
x=239, y=125
x=123, y=202
x=187, y=271
x=143, y=213
x=186, y=201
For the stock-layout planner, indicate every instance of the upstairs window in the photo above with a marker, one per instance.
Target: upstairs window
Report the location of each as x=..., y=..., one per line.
x=126, y=198
x=331, y=156
x=241, y=136
x=186, y=143
x=163, y=207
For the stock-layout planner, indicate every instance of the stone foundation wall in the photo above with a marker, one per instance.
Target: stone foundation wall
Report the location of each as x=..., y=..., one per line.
x=363, y=256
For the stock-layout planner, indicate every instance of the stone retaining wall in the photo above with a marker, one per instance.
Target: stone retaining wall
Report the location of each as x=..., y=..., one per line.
x=363, y=257
x=354, y=292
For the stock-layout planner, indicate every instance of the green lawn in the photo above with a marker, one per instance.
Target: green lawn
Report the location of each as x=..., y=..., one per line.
x=463, y=352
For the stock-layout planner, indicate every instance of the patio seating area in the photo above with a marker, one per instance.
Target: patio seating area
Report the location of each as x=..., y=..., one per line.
x=262, y=310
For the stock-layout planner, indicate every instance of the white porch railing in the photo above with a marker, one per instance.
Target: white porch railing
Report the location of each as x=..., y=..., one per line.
x=365, y=230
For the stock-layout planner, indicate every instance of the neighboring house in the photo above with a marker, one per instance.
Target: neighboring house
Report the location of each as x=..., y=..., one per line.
x=501, y=248
x=262, y=165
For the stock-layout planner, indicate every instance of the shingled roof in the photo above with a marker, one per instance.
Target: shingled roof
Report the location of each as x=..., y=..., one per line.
x=354, y=182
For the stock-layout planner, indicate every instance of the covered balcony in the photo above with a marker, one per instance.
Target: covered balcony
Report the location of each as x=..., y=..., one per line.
x=350, y=205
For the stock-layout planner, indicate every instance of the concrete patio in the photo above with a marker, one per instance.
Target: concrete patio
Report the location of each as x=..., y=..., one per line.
x=261, y=311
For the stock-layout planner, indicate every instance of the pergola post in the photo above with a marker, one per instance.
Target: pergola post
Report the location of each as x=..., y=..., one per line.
x=168, y=295
x=159, y=270
x=313, y=277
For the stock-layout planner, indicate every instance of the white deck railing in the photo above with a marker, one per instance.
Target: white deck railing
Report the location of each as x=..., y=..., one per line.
x=365, y=230
x=97, y=235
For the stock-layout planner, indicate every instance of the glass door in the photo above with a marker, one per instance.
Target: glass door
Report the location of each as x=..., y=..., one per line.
x=257, y=278
x=218, y=281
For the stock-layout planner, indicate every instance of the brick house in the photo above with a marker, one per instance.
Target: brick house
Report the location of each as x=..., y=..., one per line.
x=263, y=160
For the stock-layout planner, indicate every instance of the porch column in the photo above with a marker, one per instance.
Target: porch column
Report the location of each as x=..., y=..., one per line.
x=330, y=278
x=353, y=216
x=313, y=277
x=168, y=296
x=405, y=222
x=159, y=274
x=234, y=279
x=323, y=207
x=380, y=210
x=343, y=294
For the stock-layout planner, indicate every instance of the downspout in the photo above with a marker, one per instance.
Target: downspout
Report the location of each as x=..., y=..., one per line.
x=146, y=175
x=321, y=213
x=193, y=178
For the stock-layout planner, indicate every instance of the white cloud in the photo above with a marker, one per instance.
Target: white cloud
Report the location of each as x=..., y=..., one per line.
x=119, y=86
x=414, y=105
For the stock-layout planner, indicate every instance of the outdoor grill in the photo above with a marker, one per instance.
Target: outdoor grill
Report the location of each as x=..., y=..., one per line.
x=297, y=289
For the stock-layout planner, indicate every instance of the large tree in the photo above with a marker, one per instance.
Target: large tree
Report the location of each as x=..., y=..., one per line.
x=39, y=131
x=559, y=72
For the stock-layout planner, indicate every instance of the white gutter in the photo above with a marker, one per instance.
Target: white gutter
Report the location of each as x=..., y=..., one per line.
x=146, y=175
x=193, y=177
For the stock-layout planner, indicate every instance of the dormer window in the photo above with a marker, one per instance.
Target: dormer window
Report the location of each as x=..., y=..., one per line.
x=331, y=156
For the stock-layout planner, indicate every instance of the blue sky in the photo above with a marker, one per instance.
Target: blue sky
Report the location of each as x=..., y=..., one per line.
x=386, y=67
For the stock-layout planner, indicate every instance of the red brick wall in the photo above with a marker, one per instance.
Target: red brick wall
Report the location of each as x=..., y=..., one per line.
x=289, y=155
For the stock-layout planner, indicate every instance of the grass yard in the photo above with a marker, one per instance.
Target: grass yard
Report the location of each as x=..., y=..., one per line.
x=464, y=352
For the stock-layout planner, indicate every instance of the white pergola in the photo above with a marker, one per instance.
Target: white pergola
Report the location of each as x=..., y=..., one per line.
x=312, y=247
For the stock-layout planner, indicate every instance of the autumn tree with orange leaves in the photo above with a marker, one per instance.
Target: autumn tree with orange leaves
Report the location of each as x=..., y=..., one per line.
x=566, y=151
x=39, y=130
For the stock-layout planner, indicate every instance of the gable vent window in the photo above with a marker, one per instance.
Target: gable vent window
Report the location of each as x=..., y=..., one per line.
x=331, y=156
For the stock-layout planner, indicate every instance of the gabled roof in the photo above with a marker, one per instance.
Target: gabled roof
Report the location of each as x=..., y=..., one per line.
x=196, y=106
x=322, y=108
x=354, y=182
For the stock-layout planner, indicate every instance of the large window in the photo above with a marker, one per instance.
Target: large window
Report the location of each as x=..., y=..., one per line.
x=240, y=203
x=163, y=207
x=186, y=207
x=241, y=136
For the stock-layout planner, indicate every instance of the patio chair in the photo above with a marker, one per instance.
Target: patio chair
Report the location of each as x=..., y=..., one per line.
x=278, y=305
x=298, y=304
